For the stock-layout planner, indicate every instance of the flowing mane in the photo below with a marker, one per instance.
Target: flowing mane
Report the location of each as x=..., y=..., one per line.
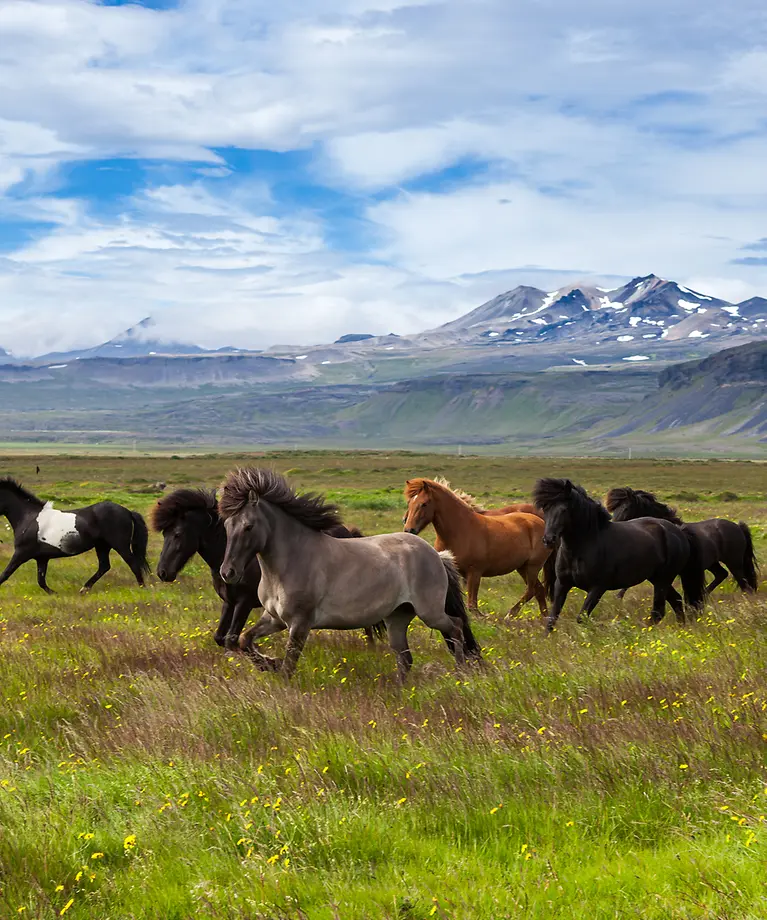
x=9, y=484
x=625, y=504
x=465, y=497
x=170, y=508
x=414, y=486
x=585, y=511
x=244, y=484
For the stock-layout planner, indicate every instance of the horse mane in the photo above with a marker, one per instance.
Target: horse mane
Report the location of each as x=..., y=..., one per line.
x=308, y=509
x=171, y=507
x=625, y=504
x=9, y=484
x=414, y=486
x=465, y=497
x=587, y=513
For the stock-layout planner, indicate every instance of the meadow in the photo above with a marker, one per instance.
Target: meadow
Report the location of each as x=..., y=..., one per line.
x=613, y=770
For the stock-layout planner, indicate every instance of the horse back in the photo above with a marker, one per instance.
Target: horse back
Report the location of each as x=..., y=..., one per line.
x=720, y=539
x=524, y=507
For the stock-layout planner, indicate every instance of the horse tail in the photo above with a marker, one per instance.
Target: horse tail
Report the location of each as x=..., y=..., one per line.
x=139, y=541
x=750, y=565
x=693, y=574
x=455, y=606
x=550, y=573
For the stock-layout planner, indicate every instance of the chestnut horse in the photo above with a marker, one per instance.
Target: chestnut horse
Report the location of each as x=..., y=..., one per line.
x=482, y=544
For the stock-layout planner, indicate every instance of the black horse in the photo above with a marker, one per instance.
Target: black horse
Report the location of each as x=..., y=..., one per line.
x=42, y=533
x=189, y=521
x=724, y=544
x=598, y=555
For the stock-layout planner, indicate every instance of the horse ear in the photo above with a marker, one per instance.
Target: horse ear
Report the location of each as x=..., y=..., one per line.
x=426, y=487
x=568, y=487
x=253, y=497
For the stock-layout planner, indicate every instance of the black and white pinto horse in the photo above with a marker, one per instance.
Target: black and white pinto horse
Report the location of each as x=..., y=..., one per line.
x=724, y=544
x=42, y=532
x=598, y=555
x=189, y=522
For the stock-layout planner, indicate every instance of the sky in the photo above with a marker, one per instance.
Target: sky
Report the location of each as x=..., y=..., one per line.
x=251, y=173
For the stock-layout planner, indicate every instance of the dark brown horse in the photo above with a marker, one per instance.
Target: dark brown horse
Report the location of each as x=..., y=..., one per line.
x=483, y=545
x=598, y=555
x=724, y=544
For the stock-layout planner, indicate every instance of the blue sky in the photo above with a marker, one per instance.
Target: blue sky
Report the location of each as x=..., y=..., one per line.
x=256, y=173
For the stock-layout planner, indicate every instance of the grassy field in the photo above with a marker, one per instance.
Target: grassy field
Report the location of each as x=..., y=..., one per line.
x=612, y=770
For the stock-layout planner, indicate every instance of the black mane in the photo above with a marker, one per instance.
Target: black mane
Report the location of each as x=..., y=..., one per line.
x=626, y=503
x=170, y=508
x=9, y=484
x=586, y=512
x=310, y=510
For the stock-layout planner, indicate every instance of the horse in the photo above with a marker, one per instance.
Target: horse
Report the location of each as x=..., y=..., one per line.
x=190, y=523
x=311, y=580
x=598, y=555
x=483, y=545
x=724, y=544
x=42, y=532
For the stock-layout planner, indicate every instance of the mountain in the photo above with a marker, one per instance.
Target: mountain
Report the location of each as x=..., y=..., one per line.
x=648, y=312
x=137, y=341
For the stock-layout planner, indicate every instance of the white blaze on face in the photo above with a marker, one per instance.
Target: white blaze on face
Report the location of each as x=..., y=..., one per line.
x=55, y=527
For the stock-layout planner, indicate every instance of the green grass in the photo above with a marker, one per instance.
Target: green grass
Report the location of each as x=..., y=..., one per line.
x=611, y=771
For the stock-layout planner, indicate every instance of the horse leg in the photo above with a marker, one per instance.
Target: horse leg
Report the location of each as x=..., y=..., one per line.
x=592, y=599
x=239, y=618
x=17, y=559
x=267, y=625
x=561, y=590
x=102, y=553
x=674, y=599
x=397, y=625
x=123, y=550
x=739, y=575
x=529, y=593
x=472, y=590
x=540, y=596
x=299, y=633
x=720, y=574
x=42, y=571
x=658, y=603
x=222, y=630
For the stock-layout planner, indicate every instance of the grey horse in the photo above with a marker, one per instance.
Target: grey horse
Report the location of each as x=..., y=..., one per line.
x=310, y=580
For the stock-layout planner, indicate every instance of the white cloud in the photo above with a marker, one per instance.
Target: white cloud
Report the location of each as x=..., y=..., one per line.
x=620, y=138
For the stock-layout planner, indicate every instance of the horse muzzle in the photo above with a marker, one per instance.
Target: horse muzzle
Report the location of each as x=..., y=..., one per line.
x=165, y=575
x=549, y=541
x=229, y=575
x=412, y=530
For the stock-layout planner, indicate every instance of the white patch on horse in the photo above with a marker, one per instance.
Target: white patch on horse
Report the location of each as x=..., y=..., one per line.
x=56, y=527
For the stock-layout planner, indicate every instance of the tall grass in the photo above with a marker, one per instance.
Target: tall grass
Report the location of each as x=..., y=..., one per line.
x=613, y=770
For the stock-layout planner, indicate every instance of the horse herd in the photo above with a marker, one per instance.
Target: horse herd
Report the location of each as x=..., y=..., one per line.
x=268, y=546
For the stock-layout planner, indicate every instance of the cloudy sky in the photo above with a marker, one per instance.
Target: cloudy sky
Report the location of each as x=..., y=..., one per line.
x=252, y=172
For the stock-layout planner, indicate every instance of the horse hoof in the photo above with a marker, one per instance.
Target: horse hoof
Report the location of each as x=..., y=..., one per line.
x=84, y=590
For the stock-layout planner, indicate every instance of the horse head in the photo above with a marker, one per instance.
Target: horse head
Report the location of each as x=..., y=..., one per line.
x=186, y=519
x=420, y=505
x=247, y=532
